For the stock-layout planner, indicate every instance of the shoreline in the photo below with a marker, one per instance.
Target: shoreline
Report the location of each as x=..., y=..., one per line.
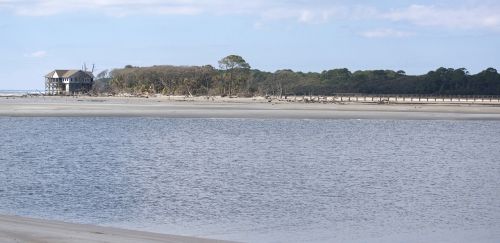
x=30, y=230
x=259, y=108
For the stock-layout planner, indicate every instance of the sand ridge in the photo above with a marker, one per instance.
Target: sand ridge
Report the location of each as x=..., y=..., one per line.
x=28, y=230
x=201, y=107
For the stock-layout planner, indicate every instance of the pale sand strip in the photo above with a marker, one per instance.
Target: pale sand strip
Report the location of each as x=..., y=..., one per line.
x=15, y=229
x=240, y=108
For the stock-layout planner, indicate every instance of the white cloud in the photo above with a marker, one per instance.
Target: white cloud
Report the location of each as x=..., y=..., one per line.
x=385, y=33
x=482, y=14
x=110, y=7
x=301, y=15
x=302, y=12
x=486, y=17
x=37, y=54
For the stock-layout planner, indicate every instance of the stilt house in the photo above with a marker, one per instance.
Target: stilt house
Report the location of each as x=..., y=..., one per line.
x=68, y=82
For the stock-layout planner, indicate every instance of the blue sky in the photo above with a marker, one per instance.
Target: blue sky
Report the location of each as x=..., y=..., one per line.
x=38, y=36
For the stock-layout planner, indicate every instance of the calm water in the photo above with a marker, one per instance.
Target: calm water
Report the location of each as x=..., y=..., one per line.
x=4, y=92
x=259, y=180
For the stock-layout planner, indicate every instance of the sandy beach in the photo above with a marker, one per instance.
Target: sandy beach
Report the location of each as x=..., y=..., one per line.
x=15, y=229
x=201, y=107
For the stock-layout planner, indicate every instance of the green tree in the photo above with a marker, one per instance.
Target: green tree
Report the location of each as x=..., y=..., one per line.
x=235, y=71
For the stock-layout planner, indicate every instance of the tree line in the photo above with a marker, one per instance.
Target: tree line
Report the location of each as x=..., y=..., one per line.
x=235, y=77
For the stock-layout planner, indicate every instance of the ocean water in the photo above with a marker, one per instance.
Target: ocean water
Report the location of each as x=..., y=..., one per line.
x=14, y=93
x=257, y=180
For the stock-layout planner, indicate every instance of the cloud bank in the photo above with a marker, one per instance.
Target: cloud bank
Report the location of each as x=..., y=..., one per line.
x=459, y=17
x=484, y=15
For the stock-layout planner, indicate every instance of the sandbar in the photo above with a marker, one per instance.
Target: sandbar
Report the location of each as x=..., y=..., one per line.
x=14, y=229
x=239, y=108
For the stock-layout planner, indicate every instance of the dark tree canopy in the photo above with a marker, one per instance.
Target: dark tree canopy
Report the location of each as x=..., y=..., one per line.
x=233, y=62
x=235, y=77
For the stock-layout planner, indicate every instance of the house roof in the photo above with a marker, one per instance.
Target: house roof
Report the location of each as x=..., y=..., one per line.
x=67, y=73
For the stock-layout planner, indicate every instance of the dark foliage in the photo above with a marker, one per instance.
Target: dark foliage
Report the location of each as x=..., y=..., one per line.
x=236, y=78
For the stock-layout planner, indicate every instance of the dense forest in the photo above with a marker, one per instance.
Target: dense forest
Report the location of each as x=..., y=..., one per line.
x=235, y=77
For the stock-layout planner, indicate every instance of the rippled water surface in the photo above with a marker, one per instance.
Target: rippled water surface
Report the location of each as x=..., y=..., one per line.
x=259, y=180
